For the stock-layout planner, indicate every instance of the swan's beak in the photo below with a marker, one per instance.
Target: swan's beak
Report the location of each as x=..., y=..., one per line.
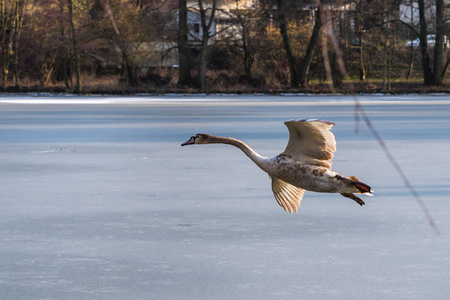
x=189, y=142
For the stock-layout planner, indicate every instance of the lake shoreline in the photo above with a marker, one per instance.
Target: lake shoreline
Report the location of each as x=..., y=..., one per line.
x=368, y=87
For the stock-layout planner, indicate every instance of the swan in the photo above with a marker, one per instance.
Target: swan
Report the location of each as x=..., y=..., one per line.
x=305, y=164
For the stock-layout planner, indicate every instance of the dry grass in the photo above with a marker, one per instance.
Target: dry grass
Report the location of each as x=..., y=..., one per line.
x=222, y=82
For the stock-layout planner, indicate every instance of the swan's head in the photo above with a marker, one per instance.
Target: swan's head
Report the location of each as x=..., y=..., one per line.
x=199, y=138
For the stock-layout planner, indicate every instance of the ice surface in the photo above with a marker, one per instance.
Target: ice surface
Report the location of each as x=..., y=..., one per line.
x=99, y=201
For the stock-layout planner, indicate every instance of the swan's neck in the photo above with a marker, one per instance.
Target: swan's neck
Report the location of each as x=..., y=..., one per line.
x=259, y=160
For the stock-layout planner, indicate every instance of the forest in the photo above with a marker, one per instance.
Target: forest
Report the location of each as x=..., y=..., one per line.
x=226, y=46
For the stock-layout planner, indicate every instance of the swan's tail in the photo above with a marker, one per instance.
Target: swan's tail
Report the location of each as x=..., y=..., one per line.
x=361, y=186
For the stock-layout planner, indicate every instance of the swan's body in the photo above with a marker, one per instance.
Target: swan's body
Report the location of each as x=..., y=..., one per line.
x=304, y=165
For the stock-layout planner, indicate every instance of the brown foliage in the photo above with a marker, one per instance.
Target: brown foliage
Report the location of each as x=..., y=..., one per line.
x=252, y=60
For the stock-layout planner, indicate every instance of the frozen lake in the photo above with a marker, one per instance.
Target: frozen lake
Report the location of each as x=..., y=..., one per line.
x=99, y=201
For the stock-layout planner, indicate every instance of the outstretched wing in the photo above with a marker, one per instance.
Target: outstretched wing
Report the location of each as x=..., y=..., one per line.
x=287, y=195
x=311, y=141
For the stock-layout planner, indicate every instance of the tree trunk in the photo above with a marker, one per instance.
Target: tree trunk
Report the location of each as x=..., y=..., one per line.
x=131, y=80
x=386, y=52
x=184, y=63
x=411, y=58
x=206, y=26
x=75, y=50
x=287, y=45
x=426, y=65
x=18, y=21
x=202, y=64
x=362, y=69
x=4, y=43
x=248, y=59
x=63, y=49
x=304, y=67
x=245, y=38
x=444, y=70
x=15, y=42
x=439, y=43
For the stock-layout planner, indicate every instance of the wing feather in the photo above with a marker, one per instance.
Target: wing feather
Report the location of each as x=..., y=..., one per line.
x=287, y=195
x=311, y=141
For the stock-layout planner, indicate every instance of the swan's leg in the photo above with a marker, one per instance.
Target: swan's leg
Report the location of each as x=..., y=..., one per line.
x=353, y=197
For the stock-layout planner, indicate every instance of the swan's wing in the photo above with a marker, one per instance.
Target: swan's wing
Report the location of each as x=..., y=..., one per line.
x=287, y=195
x=311, y=141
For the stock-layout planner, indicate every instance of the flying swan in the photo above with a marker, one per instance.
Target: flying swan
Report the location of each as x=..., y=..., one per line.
x=304, y=165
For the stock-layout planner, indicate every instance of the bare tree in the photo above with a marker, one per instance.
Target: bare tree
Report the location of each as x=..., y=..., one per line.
x=360, y=31
x=282, y=23
x=432, y=75
x=18, y=21
x=184, y=64
x=412, y=52
x=387, y=50
x=11, y=20
x=63, y=49
x=423, y=34
x=298, y=71
x=247, y=22
x=4, y=41
x=306, y=62
x=74, y=48
x=129, y=31
x=439, y=43
x=207, y=15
